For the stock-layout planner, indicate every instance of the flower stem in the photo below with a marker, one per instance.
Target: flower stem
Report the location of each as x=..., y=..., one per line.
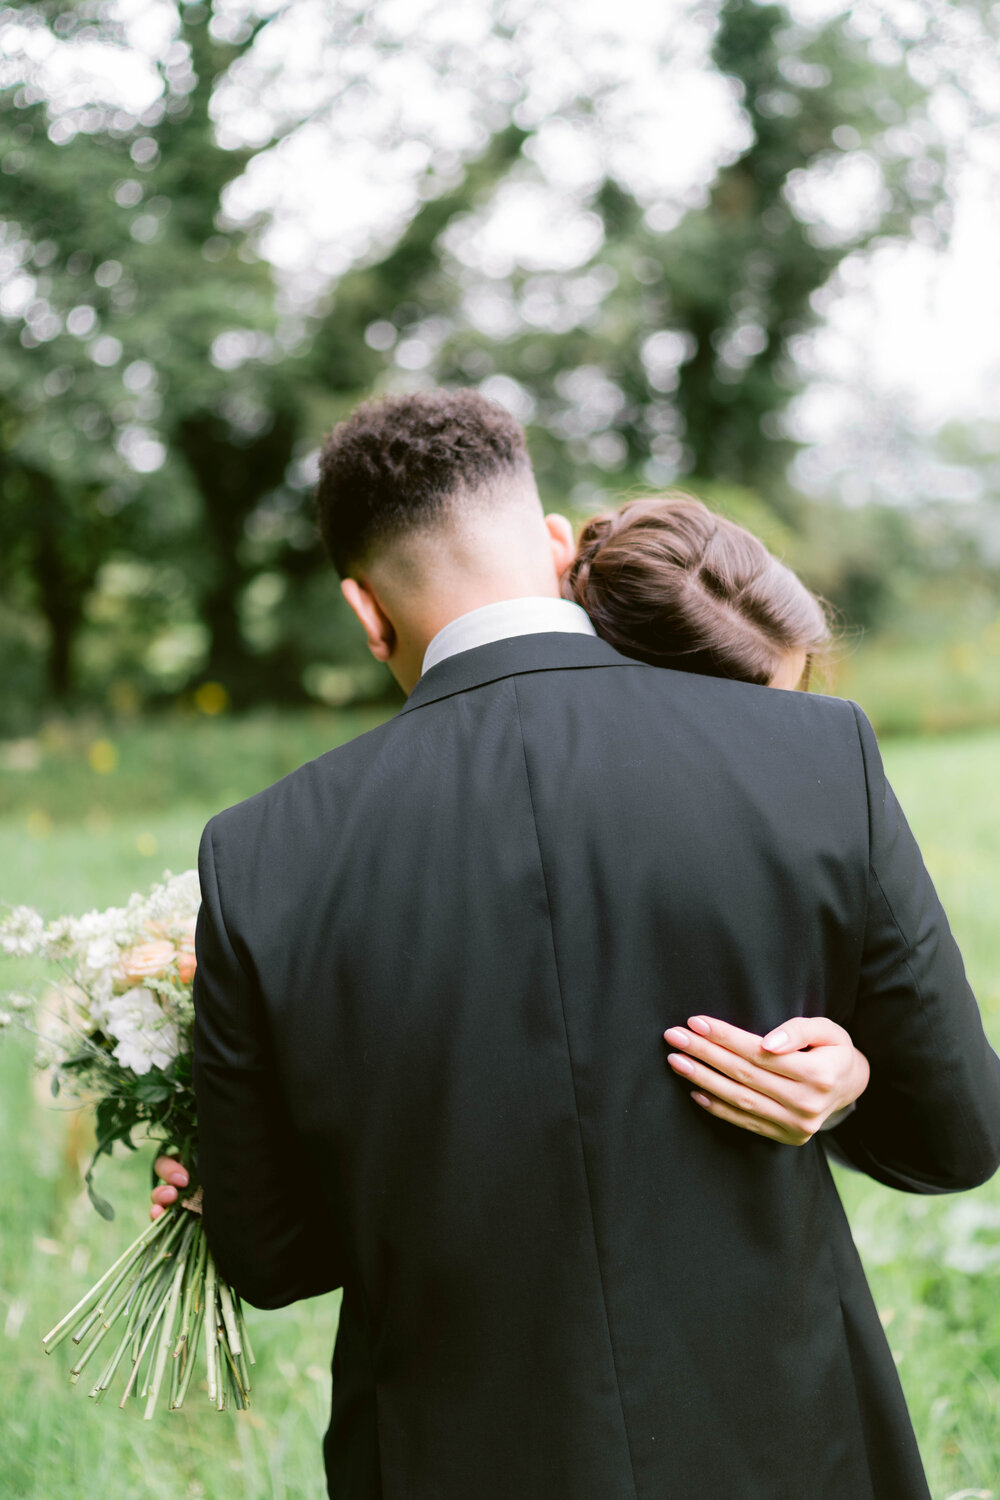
x=211, y=1332
x=193, y=1282
x=229, y=1318
x=156, y=1275
x=169, y=1316
x=244, y=1336
x=153, y=1324
x=239, y=1395
x=159, y=1297
x=190, y=1358
x=65, y=1325
x=132, y=1270
x=108, y=1373
x=186, y=1348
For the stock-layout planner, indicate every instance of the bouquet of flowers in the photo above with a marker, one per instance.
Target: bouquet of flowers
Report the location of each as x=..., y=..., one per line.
x=115, y=1030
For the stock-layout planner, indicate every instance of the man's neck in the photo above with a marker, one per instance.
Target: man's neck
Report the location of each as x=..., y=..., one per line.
x=418, y=626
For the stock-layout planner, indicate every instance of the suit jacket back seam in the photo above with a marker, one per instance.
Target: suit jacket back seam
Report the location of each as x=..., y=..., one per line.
x=576, y=1104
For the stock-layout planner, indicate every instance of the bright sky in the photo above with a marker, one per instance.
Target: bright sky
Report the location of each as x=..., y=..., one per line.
x=904, y=328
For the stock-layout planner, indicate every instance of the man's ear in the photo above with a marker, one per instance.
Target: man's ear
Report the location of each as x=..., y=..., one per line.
x=372, y=617
x=563, y=542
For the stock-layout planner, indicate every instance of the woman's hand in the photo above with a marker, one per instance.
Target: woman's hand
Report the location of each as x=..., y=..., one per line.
x=173, y=1175
x=785, y=1086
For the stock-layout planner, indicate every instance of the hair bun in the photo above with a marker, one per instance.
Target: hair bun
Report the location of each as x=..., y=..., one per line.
x=668, y=582
x=595, y=535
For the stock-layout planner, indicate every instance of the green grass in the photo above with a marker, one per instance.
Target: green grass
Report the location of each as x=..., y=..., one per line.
x=85, y=771
x=72, y=837
x=930, y=684
x=933, y=1262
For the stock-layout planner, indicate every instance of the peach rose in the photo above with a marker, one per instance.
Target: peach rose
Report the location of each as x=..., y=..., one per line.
x=146, y=961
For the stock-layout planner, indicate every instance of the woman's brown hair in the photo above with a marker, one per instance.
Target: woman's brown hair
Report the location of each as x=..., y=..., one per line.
x=670, y=583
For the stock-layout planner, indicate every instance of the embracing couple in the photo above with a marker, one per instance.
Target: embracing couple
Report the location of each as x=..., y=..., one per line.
x=520, y=1018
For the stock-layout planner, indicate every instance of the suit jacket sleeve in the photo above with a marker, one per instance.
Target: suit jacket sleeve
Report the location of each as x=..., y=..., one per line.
x=264, y=1228
x=929, y=1121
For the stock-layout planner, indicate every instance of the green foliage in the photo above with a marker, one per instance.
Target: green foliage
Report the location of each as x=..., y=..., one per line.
x=920, y=687
x=681, y=363
x=159, y=401
x=149, y=335
x=152, y=765
x=116, y=1119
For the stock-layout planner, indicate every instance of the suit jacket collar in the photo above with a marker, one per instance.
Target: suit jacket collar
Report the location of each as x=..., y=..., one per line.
x=550, y=651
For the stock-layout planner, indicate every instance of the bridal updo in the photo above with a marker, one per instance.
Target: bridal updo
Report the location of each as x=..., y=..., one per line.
x=668, y=582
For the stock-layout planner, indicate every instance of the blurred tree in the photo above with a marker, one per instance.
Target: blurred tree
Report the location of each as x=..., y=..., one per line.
x=142, y=335
x=401, y=289
x=154, y=396
x=681, y=359
x=740, y=275
x=159, y=400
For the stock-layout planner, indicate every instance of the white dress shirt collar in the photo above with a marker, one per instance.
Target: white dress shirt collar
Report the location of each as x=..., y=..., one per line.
x=498, y=622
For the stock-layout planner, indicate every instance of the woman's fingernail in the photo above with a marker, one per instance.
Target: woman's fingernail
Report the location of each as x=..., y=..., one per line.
x=775, y=1039
x=700, y=1025
x=680, y=1064
x=677, y=1037
x=701, y=1099
x=179, y=1179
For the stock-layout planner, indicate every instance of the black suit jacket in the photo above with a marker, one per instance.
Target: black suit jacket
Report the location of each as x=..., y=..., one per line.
x=434, y=971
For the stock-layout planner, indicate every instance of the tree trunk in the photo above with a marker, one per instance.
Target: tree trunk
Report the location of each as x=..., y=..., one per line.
x=61, y=598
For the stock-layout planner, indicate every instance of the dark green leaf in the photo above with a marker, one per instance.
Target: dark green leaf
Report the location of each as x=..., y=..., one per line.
x=78, y=1060
x=102, y=1205
x=107, y=1120
x=152, y=1089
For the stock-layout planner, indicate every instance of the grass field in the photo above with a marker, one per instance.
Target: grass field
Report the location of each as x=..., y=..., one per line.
x=86, y=815
x=929, y=681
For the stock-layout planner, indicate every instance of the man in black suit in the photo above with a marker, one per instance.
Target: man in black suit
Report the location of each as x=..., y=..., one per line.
x=434, y=971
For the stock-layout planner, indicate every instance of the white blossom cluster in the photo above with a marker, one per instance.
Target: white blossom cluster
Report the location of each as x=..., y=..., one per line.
x=22, y=934
x=125, y=982
x=146, y=1036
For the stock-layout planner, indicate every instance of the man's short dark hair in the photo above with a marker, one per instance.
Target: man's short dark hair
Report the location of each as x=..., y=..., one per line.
x=394, y=464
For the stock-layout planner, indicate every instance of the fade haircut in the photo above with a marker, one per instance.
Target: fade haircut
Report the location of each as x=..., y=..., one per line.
x=396, y=464
x=670, y=583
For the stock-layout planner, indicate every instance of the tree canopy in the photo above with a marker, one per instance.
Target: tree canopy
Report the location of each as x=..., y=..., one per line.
x=162, y=388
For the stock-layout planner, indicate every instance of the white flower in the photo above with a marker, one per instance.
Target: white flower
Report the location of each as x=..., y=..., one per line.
x=22, y=933
x=60, y=942
x=146, y=1037
x=97, y=926
x=100, y=954
x=170, y=907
